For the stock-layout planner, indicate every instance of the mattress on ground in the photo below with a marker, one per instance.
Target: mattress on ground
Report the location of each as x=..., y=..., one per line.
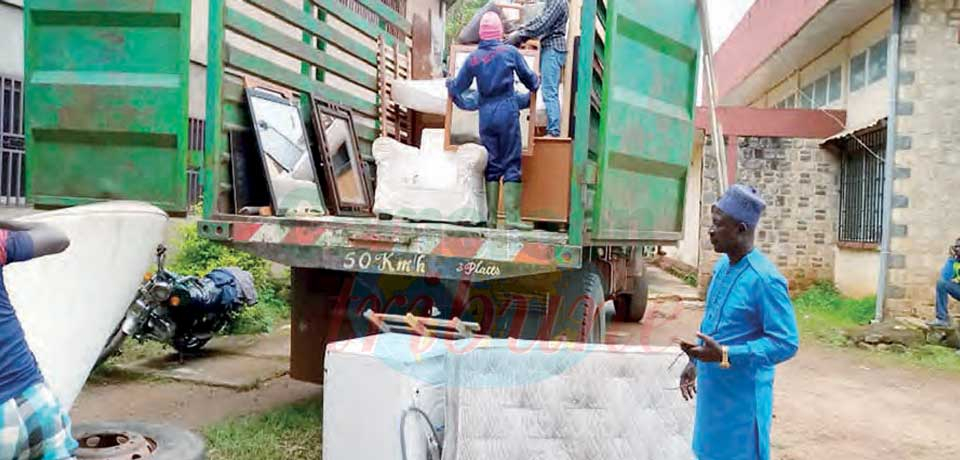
x=605, y=403
x=429, y=183
x=70, y=303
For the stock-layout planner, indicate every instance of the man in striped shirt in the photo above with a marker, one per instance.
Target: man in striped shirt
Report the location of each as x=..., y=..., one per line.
x=551, y=28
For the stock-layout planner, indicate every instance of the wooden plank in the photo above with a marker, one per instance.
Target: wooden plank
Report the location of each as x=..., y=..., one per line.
x=358, y=22
x=270, y=37
x=321, y=30
x=382, y=94
x=573, y=26
x=365, y=132
x=269, y=71
x=236, y=115
x=388, y=14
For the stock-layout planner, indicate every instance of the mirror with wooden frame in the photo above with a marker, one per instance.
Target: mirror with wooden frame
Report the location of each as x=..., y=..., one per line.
x=463, y=127
x=347, y=185
x=282, y=137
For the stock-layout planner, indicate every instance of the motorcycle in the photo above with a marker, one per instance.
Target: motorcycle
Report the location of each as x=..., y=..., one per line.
x=184, y=312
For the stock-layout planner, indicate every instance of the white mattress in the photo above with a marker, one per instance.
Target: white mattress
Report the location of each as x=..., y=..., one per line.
x=500, y=402
x=603, y=404
x=70, y=303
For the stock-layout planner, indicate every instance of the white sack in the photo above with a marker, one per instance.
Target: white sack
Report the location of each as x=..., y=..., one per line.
x=430, y=184
x=427, y=96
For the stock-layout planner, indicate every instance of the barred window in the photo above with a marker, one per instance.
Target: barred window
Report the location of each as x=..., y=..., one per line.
x=195, y=142
x=861, y=185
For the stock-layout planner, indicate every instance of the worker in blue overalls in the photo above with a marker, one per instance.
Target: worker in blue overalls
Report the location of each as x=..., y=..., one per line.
x=493, y=65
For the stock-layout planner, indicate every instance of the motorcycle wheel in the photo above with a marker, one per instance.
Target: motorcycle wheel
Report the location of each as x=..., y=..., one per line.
x=112, y=347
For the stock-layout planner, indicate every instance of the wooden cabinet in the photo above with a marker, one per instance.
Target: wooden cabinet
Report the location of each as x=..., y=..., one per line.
x=546, y=181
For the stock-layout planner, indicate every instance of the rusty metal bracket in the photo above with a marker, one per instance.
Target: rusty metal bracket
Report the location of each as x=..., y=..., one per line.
x=452, y=329
x=216, y=231
x=400, y=239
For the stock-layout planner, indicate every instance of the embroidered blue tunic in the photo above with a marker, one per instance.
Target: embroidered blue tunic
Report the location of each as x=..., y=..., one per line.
x=749, y=310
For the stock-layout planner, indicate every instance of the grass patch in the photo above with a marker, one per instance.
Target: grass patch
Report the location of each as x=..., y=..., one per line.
x=290, y=433
x=132, y=351
x=823, y=314
x=198, y=256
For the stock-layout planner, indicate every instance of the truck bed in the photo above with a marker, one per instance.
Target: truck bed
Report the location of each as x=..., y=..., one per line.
x=370, y=245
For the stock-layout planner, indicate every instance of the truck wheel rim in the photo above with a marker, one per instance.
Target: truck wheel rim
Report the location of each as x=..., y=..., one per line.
x=120, y=445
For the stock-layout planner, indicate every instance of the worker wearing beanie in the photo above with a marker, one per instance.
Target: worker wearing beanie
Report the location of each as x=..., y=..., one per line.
x=493, y=65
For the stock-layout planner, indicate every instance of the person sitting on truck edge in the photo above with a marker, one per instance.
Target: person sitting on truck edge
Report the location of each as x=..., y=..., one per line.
x=493, y=65
x=948, y=286
x=551, y=28
x=749, y=326
x=35, y=425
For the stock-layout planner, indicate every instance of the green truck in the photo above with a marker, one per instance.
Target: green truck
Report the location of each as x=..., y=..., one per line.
x=106, y=118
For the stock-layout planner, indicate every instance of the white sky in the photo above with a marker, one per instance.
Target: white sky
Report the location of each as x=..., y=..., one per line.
x=724, y=16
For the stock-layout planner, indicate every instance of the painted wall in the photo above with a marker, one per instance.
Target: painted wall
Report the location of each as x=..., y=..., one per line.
x=855, y=272
x=863, y=106
x=11, y=22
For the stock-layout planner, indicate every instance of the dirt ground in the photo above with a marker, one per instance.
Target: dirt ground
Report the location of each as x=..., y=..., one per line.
x=830, y=404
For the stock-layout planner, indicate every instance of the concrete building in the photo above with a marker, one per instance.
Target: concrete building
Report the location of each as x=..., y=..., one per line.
x=789, y=64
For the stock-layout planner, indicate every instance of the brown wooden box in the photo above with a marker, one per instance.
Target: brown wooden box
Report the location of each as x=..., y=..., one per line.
x=546, y=181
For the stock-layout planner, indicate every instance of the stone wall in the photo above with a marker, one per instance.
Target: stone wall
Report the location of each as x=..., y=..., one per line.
x=925, y=220
x=800, y=183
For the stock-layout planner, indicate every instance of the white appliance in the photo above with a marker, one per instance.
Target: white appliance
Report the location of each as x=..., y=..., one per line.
x=369, y=384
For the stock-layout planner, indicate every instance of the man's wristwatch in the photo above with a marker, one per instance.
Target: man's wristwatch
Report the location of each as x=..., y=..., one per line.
x=725, y=360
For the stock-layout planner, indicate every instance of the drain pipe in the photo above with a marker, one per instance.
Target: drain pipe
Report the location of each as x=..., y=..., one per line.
x=893, y=76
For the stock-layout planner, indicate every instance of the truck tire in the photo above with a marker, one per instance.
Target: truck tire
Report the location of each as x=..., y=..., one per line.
x=593, y=289
x=632, y=304
x=172, y=443
x=638, y=300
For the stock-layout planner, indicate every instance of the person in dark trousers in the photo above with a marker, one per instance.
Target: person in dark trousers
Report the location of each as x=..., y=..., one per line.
x=551, y=28
x=35, y=426
x=749, y=326
x=493, y=66
x=948, y=286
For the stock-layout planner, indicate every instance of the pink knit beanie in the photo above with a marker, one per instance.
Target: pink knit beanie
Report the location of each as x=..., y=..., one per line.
x=490, y=26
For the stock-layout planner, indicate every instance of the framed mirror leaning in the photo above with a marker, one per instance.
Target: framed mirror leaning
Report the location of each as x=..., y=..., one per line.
x=289, y=166
x=347, y=185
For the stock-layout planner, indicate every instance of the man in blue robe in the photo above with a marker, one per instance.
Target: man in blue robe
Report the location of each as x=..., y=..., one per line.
x=748, y=327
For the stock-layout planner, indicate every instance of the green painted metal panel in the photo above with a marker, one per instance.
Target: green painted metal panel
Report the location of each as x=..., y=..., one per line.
x=340, y=10
x=250, y=28
x=264, y=68
x=106, y=116
x=327, y=34
x=646, y=120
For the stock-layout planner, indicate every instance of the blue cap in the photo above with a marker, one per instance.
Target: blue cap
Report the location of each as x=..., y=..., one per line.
x=742, y=203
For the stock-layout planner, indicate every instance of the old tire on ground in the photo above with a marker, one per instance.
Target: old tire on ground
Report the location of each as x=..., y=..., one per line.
x=172, y=443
